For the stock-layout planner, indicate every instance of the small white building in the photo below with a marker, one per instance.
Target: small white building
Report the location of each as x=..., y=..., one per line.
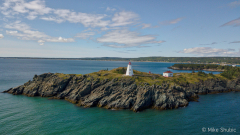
x=129, y=70
x=168, y=74
x=233, y=65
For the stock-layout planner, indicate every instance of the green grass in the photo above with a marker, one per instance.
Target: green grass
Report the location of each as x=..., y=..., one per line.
x=141, y=78
x=63, y=76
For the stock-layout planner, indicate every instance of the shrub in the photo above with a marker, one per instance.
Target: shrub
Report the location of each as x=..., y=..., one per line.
x=211, y=74
x=231, y=72
x=201, y=73
x=121, y=71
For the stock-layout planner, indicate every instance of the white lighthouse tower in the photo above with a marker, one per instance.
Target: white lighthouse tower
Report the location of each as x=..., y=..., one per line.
x=129, y=70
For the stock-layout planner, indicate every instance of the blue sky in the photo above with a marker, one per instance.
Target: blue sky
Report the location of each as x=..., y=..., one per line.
x=119, y=28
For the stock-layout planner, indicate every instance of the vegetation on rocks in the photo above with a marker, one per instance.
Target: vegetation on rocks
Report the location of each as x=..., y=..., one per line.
x=228, y=72
x=231, y=73
x=199, y=67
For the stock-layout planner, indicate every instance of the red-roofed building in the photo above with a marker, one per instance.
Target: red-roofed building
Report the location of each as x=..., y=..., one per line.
x=168, y=74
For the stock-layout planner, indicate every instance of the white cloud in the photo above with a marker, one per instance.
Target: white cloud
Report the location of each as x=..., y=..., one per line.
x=33, y=8
x=32, y=16
x=125, y=38
x=41, y=42
x=59, y=39
x=208, y=51
x=104, y=29
x=17, y=26
x=36, y=8
x=55, y=39
x=88, y=20
x=19, y=8
x=1, y=36
x=62, y=12
x=234, y=4
x=24, y=32
x=235, y=23
x=124, y=18
x=11, y=32
x=57, y=20
x=174, y=21
x=110, y=9
x=85, y=35
x=93, y=20
x=159, y=42
x=145, y=25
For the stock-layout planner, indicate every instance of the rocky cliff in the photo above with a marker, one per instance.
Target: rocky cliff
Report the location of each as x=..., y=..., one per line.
x=119, y=92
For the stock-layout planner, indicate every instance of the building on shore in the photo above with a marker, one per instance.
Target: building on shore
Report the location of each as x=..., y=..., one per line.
x=168, y=74
x=129, y=70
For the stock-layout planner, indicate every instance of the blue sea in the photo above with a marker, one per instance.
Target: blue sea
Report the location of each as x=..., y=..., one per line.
x=213, y=114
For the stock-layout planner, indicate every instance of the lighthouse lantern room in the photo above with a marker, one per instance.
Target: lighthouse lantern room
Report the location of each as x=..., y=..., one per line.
x=129, y=70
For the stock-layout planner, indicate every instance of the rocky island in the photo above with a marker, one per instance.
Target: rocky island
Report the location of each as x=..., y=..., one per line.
x=112, y=90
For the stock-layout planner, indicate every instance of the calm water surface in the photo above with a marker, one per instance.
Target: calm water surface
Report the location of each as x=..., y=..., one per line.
x=36, y=115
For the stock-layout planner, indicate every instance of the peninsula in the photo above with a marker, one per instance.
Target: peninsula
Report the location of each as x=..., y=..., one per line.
x=206, y=67
x=112, y=90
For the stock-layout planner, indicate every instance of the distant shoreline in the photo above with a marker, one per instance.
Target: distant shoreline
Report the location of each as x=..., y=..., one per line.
x=120, y=59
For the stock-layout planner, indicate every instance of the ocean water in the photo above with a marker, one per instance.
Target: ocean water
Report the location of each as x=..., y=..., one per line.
x=214, y=113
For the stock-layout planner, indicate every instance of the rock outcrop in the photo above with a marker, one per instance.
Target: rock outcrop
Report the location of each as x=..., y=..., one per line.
x=119, y=93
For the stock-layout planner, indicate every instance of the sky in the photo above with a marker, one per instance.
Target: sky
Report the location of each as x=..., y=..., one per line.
x=119, y=28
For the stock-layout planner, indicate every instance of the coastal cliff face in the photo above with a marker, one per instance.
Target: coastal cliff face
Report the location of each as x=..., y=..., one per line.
x=120, y=92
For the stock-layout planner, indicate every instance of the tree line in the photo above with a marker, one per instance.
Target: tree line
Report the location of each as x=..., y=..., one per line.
x=200, y=66
x=229, y=71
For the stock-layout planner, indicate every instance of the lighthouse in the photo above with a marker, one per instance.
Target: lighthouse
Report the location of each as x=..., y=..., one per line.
x=129, y=70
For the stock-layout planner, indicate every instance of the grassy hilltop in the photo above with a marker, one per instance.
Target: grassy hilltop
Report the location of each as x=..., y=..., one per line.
x=142, y=78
